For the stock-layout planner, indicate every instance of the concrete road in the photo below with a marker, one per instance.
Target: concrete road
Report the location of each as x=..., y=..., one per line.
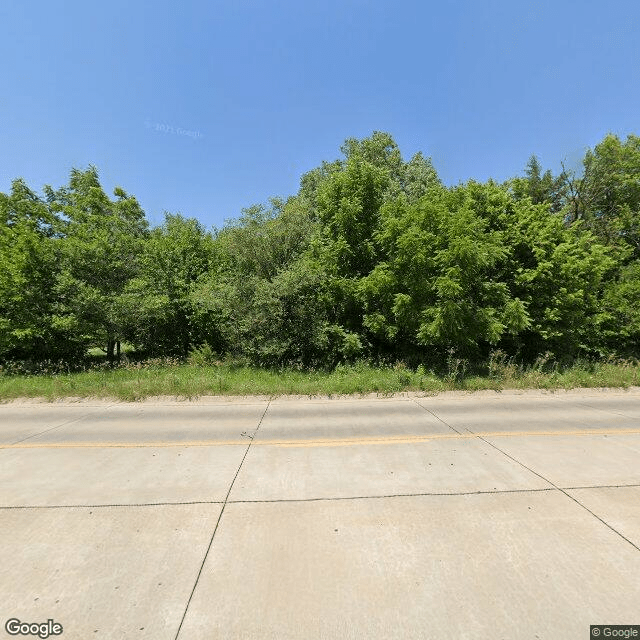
x=481, y=516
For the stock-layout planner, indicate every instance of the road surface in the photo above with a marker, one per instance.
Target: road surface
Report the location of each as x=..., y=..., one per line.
x=494, y=515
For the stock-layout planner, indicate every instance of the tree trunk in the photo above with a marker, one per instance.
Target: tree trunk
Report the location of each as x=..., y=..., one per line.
x=118, y=350
x=111, y=343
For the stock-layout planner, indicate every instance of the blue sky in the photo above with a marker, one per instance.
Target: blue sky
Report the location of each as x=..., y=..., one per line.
x=204, y=108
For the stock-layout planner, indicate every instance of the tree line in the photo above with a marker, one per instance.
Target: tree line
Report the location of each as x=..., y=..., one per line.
x=372, y=258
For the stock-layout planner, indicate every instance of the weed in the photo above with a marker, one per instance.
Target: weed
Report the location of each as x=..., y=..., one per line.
x=165, y=376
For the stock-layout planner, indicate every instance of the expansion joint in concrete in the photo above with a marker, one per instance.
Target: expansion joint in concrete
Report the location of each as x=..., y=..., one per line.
x=125, y=505
x=437, y=417
x=118, y=505
x=215, y=530
x=564, y=491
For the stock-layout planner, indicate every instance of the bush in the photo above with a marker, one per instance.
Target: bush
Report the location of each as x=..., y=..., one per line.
x=203, y=356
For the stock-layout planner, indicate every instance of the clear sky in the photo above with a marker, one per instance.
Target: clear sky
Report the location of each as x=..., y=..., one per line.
x=204, y=108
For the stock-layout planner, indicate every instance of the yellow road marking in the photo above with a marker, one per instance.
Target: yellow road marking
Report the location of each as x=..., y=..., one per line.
x=328, y=442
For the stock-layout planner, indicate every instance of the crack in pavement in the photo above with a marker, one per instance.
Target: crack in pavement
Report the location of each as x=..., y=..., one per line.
x=392, y=495
x=560, y=489
x=58, y=426
x=431, y=493
x=108, y=505
x=435, y=416
x=320, y=499
x=564, y=491
x=616, y=413
x=213, y=535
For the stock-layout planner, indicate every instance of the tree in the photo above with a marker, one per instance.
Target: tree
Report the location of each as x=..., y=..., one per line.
x=261, y=295
x=349, y=206
x=413, y=178
x=175, y=257
x=437, y=289
x=372, y=257
x=29, y=269
x=559, y=273
x=541, y=188
x=265, y=239
x=610, y=191
x=620, y=327
x=99, y=251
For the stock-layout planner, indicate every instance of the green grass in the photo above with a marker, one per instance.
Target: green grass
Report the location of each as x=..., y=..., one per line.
x=139, y=381
x=98, y=353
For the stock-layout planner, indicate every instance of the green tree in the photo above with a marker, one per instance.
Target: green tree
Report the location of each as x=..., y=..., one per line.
x=436, y=289
x=474, y=266
x=265, y=239
x=541, y=187
x=29, y=268
x=558, y=273
x=620, y=326
x=610, y=191
x=413, y=178
x=349, y=206
x=161, y=317
x=261, y=295
x=99, y=252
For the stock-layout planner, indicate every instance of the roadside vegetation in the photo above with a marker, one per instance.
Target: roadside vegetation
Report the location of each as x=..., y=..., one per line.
x=374, y=277
x=129, y=381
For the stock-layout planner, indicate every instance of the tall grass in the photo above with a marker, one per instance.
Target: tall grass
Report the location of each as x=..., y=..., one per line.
x=136, y=381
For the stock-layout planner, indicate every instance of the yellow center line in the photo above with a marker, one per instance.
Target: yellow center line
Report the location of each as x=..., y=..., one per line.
x=326, y=442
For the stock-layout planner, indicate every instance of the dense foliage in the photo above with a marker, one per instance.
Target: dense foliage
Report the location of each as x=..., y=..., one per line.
x=373, y=258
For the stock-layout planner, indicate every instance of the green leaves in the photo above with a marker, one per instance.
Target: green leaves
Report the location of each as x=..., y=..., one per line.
x=349, y=205
x=29, y=264
x=438, y=285
x=97, y=248
x=373, y=257
x=515, y=317
x=174, y=258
